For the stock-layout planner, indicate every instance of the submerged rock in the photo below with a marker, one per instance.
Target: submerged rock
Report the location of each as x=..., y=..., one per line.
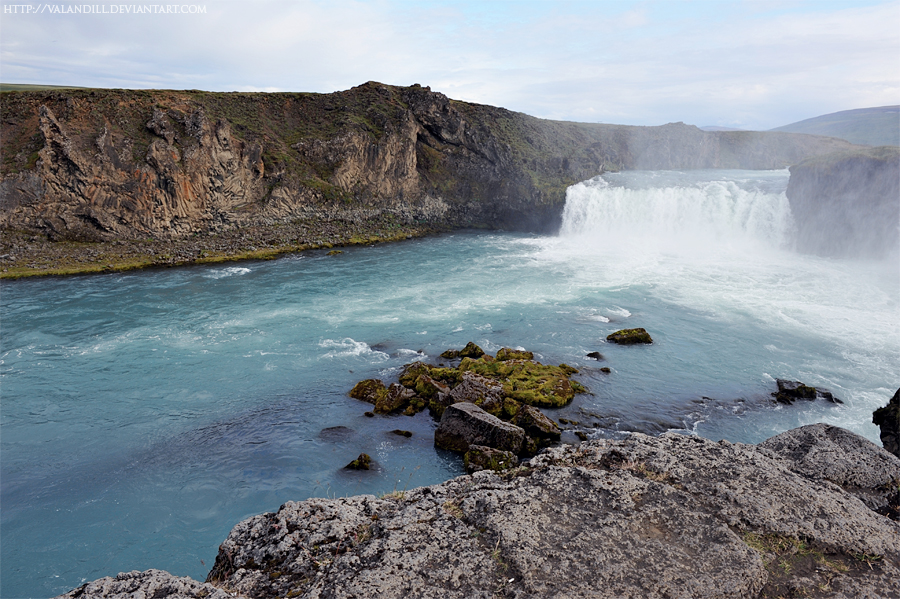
x=888, y=419
x=480, y=457
x=629, y=337
x=465, y=424
x=595, y=355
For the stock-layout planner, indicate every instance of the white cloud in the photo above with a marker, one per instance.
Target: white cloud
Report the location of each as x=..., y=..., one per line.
x=742, y=63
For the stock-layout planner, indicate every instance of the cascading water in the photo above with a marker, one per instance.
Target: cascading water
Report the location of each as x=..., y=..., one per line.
x=146, y=413
x=683, y=212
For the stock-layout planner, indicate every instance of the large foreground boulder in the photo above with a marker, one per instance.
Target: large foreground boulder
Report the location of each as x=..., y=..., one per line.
x=651, y=517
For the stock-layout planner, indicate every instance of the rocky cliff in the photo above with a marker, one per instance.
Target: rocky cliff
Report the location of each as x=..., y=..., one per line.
x=847, y=204
x=102, y=165
x=809, y=513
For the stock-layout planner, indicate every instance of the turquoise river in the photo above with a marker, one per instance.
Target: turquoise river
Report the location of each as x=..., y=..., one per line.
x=145, y=413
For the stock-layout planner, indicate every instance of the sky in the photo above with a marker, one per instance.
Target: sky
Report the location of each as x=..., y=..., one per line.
x=754, y=64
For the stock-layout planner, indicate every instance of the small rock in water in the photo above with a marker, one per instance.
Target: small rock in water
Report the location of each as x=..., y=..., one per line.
x=363, y=462
x=401, y=433
x=336, y=433
x=630, y=337
x=790, y=391
x=369, y=414
x=334, y=252
x=595, y=355
x=605, y=370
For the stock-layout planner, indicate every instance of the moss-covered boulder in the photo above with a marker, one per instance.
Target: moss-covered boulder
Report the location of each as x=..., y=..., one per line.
x=369, y=390
x=363, y=462
x=888, y=419
x=471, y=351
x=396, y=399
x=514, y=354
x=630, y=337
x=411, y=372
x=528, y=381
x=480, y=457
x=427, y=387
x=450, y=354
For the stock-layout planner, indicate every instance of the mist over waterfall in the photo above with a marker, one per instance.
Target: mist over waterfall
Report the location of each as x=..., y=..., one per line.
x=681, y=212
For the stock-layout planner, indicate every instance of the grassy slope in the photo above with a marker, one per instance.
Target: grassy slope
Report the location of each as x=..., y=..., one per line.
x=866, y=126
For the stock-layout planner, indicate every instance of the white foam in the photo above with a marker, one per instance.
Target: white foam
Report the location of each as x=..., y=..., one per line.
x=226, y=272
x=348, y=347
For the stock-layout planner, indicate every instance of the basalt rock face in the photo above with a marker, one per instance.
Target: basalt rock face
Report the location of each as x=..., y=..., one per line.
x=847, y=204
x=670, y=516
x=120, y=164
x=888, y=420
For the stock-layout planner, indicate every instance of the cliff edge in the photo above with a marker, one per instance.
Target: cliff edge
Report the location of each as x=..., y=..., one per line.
x=105, y=165
x=847, y=204
x=811, y=512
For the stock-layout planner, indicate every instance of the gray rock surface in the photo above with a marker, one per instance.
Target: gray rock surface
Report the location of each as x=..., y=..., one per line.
x=151, y=584
x=645, y=517
x=464, y=424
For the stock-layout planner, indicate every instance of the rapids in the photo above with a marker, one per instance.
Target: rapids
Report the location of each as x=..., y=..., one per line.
x=145, y=413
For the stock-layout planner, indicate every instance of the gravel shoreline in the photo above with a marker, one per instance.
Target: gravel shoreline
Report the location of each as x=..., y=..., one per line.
x=23, y=254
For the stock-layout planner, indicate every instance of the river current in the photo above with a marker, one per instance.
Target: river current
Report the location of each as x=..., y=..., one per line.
x=145, y=413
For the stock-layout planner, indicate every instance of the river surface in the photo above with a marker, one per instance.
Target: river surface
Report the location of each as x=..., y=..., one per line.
x=145, y=413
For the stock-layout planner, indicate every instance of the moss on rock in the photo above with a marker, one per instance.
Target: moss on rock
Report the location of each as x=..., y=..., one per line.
x=629, y=337
x=370, y=390
x=514, y=354
x=363, y=462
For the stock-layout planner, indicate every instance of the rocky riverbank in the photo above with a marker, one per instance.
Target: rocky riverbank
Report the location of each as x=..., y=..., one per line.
x=23, y=254
x=811, y=512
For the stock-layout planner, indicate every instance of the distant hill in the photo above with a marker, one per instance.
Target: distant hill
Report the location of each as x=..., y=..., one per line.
x=717, y=128
x=865, y=126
